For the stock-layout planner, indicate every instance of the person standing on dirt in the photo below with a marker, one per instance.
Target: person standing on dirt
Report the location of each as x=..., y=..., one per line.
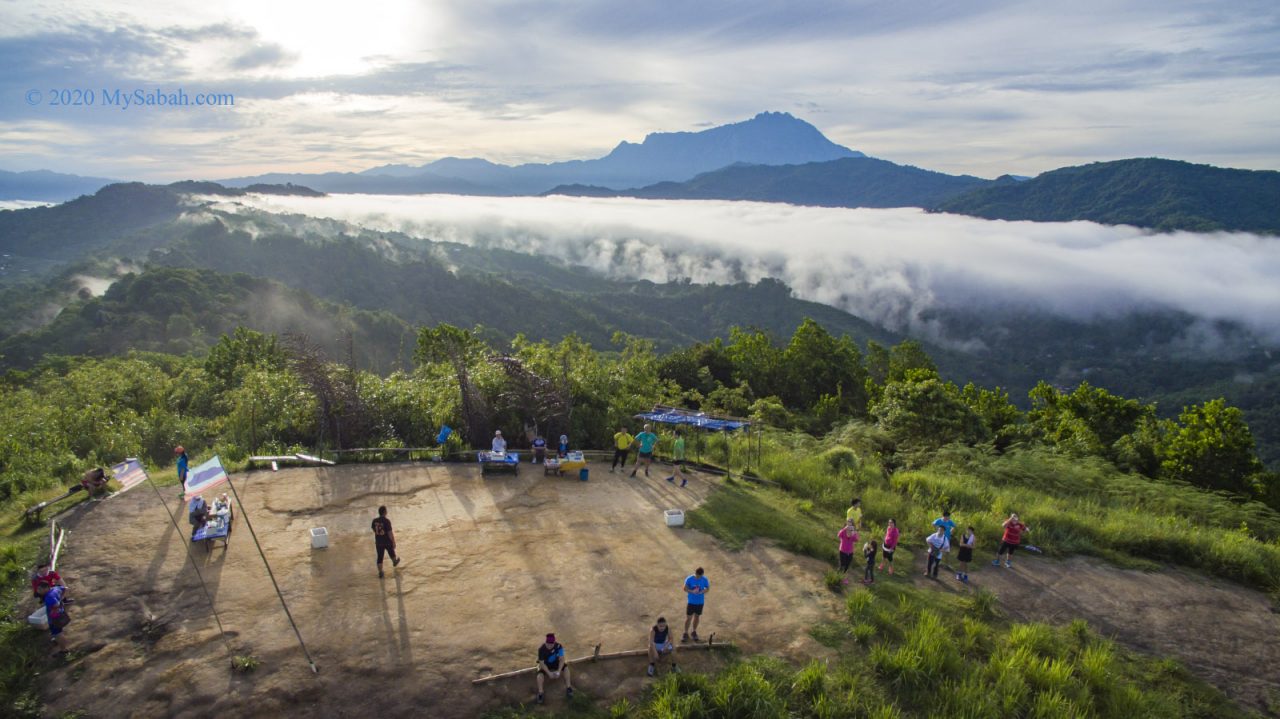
x=1013, y=531
x=539, y=450
x=847, y=536
x=384, y=539
x=889, y=545
x=660, y=643
x=552, y=663
x=869, y=553
x=965, y=555
x=677, y=457
x=647, y=441
x=183, y=462
x=55, y=613
x=622, y=442
x=696, y=585
x=935, y=543
x=855, y=512
x=947, y=526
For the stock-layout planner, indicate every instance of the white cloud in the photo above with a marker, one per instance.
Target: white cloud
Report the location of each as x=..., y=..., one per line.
x=888, y=266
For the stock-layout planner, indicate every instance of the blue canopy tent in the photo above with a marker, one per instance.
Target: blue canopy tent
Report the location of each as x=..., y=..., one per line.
x=700, y=420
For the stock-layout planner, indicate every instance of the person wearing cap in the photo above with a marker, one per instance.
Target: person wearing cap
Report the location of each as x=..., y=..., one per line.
x=647, y=441
x=553, y=663
x=660, y=643
x=499, y=444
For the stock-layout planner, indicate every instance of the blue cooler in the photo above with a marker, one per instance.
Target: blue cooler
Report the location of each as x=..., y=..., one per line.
x=582, y=474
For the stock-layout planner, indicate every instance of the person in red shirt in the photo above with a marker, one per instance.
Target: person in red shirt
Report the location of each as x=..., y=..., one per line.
x=45, y=574
x=1013, y=531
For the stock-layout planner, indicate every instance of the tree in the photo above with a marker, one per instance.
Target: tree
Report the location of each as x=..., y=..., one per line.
x=243, y=348
x=458, y=348
x=818, y=365
x=756, y=361
x=1212, y=447
x=923, y=412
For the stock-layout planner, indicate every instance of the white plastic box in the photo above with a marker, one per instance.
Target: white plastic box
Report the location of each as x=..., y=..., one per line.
x=39, y=618
x=675, y=517
x=319, y=538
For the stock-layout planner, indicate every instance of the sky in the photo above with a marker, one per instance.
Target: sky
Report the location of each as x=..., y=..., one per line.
x=887, y=266
x=984, y=87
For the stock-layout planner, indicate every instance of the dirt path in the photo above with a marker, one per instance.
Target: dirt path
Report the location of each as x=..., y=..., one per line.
x=1226, y=634
x=490, y=566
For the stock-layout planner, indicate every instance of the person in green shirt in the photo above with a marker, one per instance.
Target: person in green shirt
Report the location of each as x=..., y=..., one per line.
x=647, y=441
x=677, y=454
x=622, y=442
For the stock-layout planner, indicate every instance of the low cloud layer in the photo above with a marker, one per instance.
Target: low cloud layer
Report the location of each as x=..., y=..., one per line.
x=887, y=266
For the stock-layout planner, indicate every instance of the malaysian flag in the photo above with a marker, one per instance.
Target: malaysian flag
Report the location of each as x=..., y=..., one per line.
x=129, y=474
x=205, y=477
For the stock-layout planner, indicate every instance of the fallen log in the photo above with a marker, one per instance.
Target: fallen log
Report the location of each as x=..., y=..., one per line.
x=596, y=656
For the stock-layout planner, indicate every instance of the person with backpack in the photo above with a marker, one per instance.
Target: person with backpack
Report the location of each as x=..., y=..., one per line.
x=936, y=544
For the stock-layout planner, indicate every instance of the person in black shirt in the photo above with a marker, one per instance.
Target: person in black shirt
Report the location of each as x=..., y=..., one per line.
x=384, y=539
x=553, y=663
x=660, y=643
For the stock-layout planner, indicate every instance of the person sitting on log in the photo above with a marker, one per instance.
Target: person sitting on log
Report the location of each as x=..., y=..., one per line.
x=660, y=643
x=553, y=663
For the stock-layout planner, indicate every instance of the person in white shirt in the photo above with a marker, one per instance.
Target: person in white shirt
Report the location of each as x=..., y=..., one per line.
x=499, y=444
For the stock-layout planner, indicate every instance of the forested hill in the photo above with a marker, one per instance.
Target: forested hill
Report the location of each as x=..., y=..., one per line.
x=847, y=182
x=1149, y=192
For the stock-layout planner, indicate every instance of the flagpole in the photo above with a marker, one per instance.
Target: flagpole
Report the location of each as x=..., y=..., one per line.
x=221, y=632
x=272, y=575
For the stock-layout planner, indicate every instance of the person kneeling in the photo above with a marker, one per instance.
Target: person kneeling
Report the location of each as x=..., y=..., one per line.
x=553, y=663
x=659, y=644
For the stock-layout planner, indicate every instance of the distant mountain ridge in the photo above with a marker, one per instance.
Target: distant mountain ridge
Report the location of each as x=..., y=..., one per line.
x=769, y=138
x=847, y=182
x=1149, y=192
x=47, y=185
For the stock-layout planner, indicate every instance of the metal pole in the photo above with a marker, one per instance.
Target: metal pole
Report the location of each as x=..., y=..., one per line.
x=272, y=575
x=221, y=632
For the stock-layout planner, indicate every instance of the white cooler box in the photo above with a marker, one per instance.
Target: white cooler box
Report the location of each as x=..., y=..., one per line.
x=675, y=517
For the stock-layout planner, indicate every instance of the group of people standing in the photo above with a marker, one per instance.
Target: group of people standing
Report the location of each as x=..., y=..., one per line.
x=554, y=664
x=937, y=544
x=645, y=442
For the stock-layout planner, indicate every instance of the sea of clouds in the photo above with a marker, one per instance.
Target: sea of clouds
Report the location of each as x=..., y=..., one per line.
x=887, y=266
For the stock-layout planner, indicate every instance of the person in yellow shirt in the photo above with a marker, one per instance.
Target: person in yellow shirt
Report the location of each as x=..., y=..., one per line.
x=622, y=442
x=855, y=512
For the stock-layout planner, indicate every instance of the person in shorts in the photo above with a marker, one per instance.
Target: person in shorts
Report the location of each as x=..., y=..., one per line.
x=659, y=644
x=384, y=539
x=696, y=585
x=647, y=441
x=677, y=457
x=948, y=527
x=889, y=545
x=553, y=664
x=539, y=450
x=1010, y=540
x=968, y=541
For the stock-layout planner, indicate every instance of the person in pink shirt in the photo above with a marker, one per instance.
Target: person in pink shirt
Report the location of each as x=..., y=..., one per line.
x=848, y=536
x=890, y=543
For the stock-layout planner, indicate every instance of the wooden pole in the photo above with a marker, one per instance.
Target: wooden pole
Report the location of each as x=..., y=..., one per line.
x=596, y=656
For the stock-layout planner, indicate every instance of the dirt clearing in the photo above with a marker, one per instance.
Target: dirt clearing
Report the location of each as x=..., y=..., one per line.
x=490, y=565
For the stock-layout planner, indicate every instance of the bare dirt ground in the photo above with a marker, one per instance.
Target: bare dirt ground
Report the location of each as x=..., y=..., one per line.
x=490, y=566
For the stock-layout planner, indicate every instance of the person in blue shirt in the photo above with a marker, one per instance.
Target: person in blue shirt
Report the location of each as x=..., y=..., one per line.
x=564, y=446
x=696, y=585
x=947, y=525
x=182, y=469
x=539, y=449
x=51, y=597
x=647, y=441
x=553, y=664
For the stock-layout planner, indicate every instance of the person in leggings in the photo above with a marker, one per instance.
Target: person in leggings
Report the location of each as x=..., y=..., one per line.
x=935, y=542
